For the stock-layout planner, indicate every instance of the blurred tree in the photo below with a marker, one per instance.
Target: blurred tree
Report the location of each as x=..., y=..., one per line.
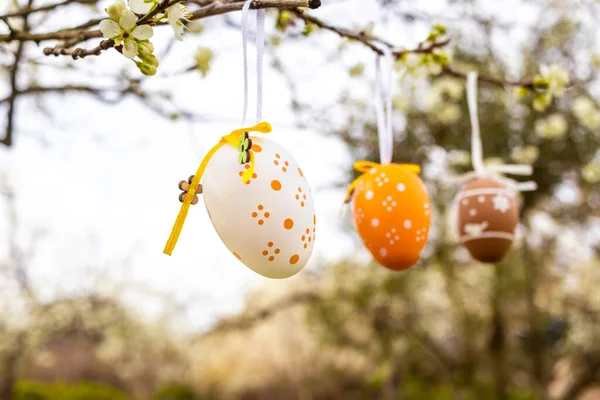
x=450, y=328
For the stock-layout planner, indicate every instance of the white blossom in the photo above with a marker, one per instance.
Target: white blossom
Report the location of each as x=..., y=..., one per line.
x=525, y=155
x=141, y=6
x=459, y=158
x=176, y=13
x=591, y=171
x=448, y=113
x=554, y=126
x=586, y=112
x=449, y=86
x=126, y=32
x=557, y=77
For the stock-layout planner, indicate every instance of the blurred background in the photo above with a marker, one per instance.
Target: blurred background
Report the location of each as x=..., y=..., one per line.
x=92, y=151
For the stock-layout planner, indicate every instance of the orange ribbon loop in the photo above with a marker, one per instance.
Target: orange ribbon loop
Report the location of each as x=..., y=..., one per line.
x=365, y=166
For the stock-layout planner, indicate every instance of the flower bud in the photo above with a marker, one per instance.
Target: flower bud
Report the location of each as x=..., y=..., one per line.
x=145, y=48
x=115, y=10
x=146, y=69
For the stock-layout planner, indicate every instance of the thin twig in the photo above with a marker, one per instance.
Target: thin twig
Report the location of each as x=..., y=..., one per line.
x=10, y=115
x=427, y=48
x=51, y=89
x=79, y=52
x=71, y=38
x=30, y=10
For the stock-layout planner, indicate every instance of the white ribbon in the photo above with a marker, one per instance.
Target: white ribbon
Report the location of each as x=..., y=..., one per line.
x=383, y=101
x=260, y=46
x=477, y=153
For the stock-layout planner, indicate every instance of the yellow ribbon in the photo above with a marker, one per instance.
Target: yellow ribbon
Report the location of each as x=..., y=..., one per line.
x=365, y=166
x=233, y=138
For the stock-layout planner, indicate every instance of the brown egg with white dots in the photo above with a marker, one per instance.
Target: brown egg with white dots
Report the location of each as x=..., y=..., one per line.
x=488, y=216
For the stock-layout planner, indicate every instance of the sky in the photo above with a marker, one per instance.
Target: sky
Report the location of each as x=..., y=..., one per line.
x=100, y=182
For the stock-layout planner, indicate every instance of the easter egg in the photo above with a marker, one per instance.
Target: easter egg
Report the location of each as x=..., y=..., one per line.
x=269, y=222
x=487, y=218
x=391, y=211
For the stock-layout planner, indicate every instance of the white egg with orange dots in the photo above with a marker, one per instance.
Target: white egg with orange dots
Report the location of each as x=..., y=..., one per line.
x=260, y=203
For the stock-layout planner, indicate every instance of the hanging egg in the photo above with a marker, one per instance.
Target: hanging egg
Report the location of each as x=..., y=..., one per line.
x=269, y=222
x=487, y=218
x=391, y=211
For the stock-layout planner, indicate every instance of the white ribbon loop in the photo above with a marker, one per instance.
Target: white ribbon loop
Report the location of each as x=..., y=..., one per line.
x=383, y=105
x=260, y=46
x=477, y=149
x=512, y=169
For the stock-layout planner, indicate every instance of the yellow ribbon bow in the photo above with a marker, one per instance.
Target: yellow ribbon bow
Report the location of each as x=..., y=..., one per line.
x=233, y=138
x=365, y=166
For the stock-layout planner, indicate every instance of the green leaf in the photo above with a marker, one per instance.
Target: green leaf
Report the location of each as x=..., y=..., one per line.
x=521, y=92
x=539, y=82
x=357, y=70
x=282, y=21
x=308, y=28
x=542, y=101
x=441, y=58
x=440, y=28
x=275, y=40
x=203, y=58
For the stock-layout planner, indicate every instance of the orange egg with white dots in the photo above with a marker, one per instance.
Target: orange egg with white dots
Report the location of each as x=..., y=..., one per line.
x=392, y=214
x=268, y=222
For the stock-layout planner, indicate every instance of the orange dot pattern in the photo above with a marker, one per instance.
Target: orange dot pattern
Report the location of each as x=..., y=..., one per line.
x=301, y=197
x=267, y=252
x=308, y=236
x=281, y=163
x=390, y=207
x=260, y=213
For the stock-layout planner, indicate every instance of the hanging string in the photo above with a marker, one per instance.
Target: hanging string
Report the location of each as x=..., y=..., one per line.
x=476, y=146
x=477, y=149
x=260, y=46
x=383, y=105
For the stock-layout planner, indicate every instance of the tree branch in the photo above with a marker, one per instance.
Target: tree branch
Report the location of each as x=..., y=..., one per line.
x=30, y=10
x=208, y=10
x=59, y=89
x=369, y=41
x=366, y=39
x=489, y=79
x=79, y=52
x=10, y=115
